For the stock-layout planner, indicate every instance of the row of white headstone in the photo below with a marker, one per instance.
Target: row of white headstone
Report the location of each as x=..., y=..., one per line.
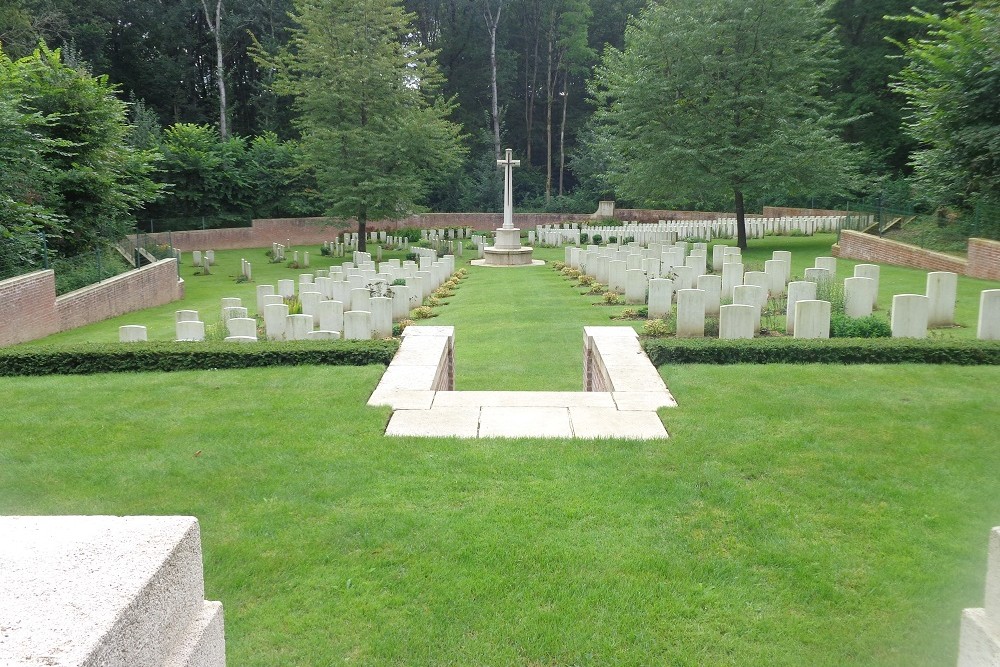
x=357, y=300
x=652, y=275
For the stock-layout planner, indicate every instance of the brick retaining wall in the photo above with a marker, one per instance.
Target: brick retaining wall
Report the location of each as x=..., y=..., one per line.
x=652, y=215
x=152, y=285
x=869, y=248
x=793, y=212
x=28, y=307
x=984, y=259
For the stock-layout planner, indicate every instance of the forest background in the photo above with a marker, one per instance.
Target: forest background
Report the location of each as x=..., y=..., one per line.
x=223, y=144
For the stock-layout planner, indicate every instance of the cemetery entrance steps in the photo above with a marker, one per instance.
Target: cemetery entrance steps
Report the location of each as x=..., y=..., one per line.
x=622, y=392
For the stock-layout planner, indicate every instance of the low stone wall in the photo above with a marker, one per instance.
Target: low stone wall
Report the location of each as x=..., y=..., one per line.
x=984, y=259
x=28, y=307
x=869, y=248
x=152, y=285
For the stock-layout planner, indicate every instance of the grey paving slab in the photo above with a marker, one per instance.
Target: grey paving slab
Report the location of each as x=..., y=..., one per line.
x=434, y=423
x=522, y=422
x=539, y=399
x=611, y=423
x=644, y=401
x=402, y=399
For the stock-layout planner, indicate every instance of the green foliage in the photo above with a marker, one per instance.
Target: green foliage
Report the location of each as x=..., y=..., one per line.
x=231, y=179
x=87, y=268
x=422, y=313
x=374, y=128
x=951, y=81
x=143, y=357
x=872, y=326
x=85, y=180
x=612, y=298
x=730, y=109
x=820, y=351
x=657, y=328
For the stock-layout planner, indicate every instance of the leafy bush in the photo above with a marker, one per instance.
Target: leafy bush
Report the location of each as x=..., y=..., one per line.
x=596, y=288
x=164, y=356
x=829, y=351
x=422, y=312
x=612, y=298
x=597, y=239
x=656, y=329
x=872, y=326
x=558, y=266
x=586, y=280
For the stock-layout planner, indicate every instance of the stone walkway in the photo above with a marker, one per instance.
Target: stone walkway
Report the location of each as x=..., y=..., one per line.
x=623, y=393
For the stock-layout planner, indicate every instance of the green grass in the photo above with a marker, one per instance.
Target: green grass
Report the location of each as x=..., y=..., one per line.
x=798, y=515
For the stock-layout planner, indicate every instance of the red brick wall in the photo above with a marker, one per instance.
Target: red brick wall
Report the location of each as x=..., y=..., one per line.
x=206, y=239
x=984, y=259
x=28, y=307
x=650, y=215
x=152, y=285
x=791, y=212
x=869, y=248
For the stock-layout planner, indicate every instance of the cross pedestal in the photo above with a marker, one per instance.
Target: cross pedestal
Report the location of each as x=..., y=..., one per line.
x=507, y=249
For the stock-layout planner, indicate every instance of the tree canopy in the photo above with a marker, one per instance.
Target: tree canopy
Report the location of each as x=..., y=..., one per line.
x=719, y=98
x=375, y=130
x=952, y=85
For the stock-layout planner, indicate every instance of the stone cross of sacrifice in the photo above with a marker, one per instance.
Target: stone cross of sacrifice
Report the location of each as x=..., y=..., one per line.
x=508, y=165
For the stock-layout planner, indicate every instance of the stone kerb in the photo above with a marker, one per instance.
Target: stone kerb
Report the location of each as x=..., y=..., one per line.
x=979, y=638
x=423, y=365
x=615, y=362
x=110, y=591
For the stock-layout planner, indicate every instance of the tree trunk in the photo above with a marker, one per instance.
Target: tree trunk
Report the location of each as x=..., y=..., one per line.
x=549, y=86
x=216, y=29
x=362, y=227
x=531, y=86
x=491, y=25
x=741, y=224
x=562, y=133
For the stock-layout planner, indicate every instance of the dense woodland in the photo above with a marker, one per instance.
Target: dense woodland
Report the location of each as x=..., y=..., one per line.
x=209, y=101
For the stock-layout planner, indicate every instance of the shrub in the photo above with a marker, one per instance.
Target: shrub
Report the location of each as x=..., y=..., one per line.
x=570, y=272
x=558, y=266
x=422, y=313
x=825, y=351
x=871, y=326
x=169, y=356
x=294, y=305
x=586, y=280
x=596, y=288
x=612, y=239
x=597, y=239
x=612, y=298
x=656, y=329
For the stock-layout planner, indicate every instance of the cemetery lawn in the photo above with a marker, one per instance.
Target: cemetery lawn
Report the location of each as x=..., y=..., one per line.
x=798, y=515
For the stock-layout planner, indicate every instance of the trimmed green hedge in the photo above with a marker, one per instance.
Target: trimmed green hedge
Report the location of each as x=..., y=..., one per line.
x=173, y=356
x=663, y=351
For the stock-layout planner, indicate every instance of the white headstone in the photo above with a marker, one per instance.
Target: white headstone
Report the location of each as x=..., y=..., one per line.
x=942, y=291
x=988, y=327
x=690, y=313
x=617, y=272
x=736, y=321
x=381, y=310
x=711, y=285
x=660, y=296
x=798, y=290
x=330, y=315
x=190, y=331
x=812, y=318
x=635, y=286
x=909, y=315
x=262, y=291
x=297, y=327
x=858, y=296
x=286, y=288
x=753, y=296
x=186, y=316
x=242, y=326
x=869, y=271
x=732, y=275
x=131, y=333
x=275, y=321
x=357, y=325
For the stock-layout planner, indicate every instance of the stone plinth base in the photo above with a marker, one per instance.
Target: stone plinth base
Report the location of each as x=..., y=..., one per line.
x=493, y=256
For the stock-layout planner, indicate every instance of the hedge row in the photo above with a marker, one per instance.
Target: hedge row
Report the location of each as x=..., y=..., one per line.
x=825, y=351
x=173, y=356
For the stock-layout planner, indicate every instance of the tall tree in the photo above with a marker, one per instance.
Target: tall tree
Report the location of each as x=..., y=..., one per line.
x=730, y=107
x=373, y=127
x=214, y=24
x=952, y=85
x=492, y=22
